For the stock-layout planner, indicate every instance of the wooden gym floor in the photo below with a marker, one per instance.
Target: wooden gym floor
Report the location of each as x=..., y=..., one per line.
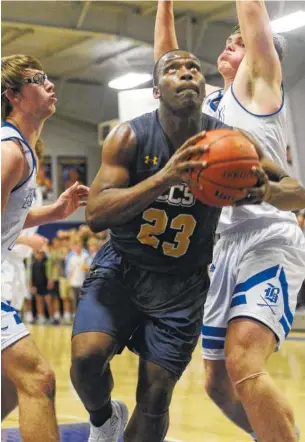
x=194, y=418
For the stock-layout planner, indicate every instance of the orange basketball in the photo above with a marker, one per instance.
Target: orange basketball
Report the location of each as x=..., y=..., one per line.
x=230, y=159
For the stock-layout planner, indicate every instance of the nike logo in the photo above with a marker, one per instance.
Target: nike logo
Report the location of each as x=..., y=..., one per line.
x=4, y=328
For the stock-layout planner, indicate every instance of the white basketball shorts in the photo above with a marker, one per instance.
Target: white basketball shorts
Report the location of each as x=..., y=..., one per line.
x=12, y=327
x=258, y=275
x=13, y=282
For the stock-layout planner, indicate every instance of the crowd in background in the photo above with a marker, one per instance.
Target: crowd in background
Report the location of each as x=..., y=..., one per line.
x=55, y=275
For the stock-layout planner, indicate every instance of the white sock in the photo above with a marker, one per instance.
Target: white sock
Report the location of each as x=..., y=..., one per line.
x=56, y=315
x=67, y=315
x=28, y=316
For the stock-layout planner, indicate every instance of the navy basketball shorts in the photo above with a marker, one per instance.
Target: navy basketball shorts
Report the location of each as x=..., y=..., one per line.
x=158, y=316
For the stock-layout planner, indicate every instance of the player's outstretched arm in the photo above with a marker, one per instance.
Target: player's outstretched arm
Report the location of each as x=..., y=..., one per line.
x=111, y=201
x=256, y=32
x=165, y=38
x=35, y=241
x=277, y=188
x=67, y=203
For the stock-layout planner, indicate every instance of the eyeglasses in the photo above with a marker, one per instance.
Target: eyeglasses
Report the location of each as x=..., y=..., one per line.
x=38, y=78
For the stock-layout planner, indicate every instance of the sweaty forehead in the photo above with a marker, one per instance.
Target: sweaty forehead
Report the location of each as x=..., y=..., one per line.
x=179, y=55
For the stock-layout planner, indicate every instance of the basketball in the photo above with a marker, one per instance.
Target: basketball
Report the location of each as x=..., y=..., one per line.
x=230, y=159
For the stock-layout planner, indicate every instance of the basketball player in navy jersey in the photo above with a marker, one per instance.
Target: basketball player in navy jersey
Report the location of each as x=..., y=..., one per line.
x=259, y=262
x=28, y=99
x=146, y=288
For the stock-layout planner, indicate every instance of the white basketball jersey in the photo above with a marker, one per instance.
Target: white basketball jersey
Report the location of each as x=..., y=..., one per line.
x=21, y=251
x=21, y=198
x=271, y=133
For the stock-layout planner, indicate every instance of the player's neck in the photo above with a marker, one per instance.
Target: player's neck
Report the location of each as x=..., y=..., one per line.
x=228, y=78
x=29, y=127
x=179, y=128
x=226, y=85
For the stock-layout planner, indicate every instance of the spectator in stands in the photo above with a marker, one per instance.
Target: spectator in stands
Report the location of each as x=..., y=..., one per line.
x=39, y=287
x=57, y=267
x=93, y=247
x=65, y=289
x=76, y=269
x=55, y=270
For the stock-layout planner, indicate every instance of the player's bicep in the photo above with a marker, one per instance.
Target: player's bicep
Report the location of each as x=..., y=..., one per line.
x=12, y=163
x=117, y=155
x=261, y=55
x=109, y=176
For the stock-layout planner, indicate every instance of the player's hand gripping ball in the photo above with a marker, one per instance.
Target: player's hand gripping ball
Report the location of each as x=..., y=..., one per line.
x=230, y=158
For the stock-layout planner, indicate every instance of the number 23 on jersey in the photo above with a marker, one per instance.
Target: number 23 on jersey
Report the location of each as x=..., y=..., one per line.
x=157, y=222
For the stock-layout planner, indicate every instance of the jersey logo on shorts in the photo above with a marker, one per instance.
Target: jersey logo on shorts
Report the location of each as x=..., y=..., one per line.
x=272, y=293
x=271, y=297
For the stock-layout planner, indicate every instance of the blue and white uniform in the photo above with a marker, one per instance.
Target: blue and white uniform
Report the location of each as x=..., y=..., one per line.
x=259, y=261
x=12, y=222
x=13, y=273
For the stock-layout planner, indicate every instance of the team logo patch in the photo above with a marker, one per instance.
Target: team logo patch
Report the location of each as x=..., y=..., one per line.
x=270, y=297
x=151, y=160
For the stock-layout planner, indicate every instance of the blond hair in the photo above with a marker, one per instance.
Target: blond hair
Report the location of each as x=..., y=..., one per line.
x=92, y=242
x=75, y=241
x=13, y=72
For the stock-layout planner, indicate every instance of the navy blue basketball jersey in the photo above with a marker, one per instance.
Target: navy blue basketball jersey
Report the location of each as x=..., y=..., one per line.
x=176, y=232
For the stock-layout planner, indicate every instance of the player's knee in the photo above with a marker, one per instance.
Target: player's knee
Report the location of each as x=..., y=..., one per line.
x=47, y=383
x=155, y=399
x=240, y=362
x=39, y=381
x=87, y=364
x=215, y=389
x=91, y=356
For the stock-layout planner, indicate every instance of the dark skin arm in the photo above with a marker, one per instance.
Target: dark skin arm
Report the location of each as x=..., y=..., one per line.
x=111, y=202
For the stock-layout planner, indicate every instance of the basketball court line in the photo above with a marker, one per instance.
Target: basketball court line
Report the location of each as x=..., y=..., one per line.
x=169, y=439
x=75, y=432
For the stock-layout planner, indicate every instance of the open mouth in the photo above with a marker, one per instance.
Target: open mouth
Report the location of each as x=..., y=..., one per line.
x=190, y=87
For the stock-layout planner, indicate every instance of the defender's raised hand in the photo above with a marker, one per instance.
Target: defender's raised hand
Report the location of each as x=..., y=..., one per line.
x=70, y=200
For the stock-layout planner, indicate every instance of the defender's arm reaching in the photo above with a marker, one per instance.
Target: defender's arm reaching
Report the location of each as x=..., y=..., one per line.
x=165, y=38
x=275, y=186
